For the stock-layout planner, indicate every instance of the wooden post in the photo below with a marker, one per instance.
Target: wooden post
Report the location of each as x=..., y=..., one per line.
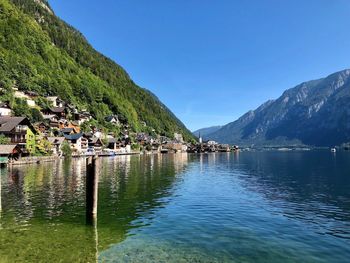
x=91, y=189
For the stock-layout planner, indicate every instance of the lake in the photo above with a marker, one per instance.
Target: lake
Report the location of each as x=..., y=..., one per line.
x=223, y=207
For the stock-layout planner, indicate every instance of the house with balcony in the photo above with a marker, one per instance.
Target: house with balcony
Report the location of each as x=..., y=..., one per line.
x=20, y=131
x=60, y=112
x=51, y=119
x=56, y=143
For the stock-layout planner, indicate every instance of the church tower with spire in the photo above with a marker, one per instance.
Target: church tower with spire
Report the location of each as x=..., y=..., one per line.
x=200, y=138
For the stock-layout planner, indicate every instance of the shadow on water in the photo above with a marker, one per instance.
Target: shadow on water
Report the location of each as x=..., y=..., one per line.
x=43, y=206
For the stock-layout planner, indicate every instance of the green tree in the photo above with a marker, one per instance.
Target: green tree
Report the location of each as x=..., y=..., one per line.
x=4, y=139
x=66, y=149
x=44, y=147
x=35, y=115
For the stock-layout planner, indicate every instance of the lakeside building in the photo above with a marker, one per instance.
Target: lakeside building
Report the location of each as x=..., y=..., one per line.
x=56, y=143
x=9, y=151
x=61, y=122
x=20, y=131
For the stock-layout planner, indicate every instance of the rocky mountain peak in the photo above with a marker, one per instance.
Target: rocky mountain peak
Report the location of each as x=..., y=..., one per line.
x=44, y=4
x=315, y=112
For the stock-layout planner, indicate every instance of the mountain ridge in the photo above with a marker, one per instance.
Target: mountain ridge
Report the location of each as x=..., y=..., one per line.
x=206, y=131
x=42, y=53
x=315, y=113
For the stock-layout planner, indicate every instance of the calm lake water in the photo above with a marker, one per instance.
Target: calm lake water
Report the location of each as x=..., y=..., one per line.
x=245, y=207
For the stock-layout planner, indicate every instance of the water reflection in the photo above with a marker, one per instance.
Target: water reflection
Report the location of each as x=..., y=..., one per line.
x=249, y=207
x=44, y=205
x=312, y=186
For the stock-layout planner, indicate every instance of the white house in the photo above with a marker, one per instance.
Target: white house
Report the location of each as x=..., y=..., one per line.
x=22, y=95
x=5, y=109
x=178, y=137
x=56, y=102
x=113, y=119
x=75, y=141
x=56, y=143
x=53, y=99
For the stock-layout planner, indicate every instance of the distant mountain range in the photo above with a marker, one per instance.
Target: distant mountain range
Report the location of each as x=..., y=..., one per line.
x=206, y=131
x=315, y=113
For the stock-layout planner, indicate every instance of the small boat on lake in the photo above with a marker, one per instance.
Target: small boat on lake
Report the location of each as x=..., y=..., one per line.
x=333, y=150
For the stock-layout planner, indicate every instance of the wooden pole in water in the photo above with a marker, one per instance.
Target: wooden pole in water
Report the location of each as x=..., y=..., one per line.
x=91, y=189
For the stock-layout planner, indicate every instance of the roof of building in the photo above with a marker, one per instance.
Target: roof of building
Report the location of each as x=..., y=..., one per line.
x=49, y=116
x=57, y=109
x=4, y=105
x=7, y=148
x=7, y=123
x=31, y=93
x=95, y=140
x=112, y=140
x=37, y=124
x=111, y=118
x=65, y=130
x=75, y=136
x=88, y=134
x=56, y=140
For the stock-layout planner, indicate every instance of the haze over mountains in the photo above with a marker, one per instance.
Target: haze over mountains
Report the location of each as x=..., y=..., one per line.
x=315, y=113
x=206, y=131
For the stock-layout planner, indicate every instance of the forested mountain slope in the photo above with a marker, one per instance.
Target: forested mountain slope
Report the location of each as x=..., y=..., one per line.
x=42, y=53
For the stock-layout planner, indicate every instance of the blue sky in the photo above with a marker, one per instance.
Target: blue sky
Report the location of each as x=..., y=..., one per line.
x=211, y=61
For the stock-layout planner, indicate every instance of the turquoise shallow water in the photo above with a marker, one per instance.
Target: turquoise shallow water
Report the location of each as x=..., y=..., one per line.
x=246, y=207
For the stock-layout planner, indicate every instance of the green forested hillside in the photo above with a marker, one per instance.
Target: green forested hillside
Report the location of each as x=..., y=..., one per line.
x=40, y=52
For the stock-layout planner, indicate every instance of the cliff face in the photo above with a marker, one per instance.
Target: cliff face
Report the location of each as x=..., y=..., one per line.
x=313, y=113
x=42, y=53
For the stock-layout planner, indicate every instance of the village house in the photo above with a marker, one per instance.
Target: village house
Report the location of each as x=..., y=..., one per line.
x=113, y=119
x=174, y=147
x=42, y=127
x=96, y=144
x=56, y=102
x=56, y=143
x=5, y=109
x=112, y=144
x=60, y=112
x=212, y=143
x=81, y=117
x=75, y=142
x=178, y=137
x=9, y=152
x=224, y=148
x=67, y=131
x=20, y=131
x=143, y=138
x=52, y=120
x=29, y=98
x=64, y=124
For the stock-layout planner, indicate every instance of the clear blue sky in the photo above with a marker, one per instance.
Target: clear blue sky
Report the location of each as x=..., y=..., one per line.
x=211, y=61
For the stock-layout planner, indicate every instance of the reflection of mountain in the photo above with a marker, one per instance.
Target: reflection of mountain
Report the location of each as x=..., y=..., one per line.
x=45, y=204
